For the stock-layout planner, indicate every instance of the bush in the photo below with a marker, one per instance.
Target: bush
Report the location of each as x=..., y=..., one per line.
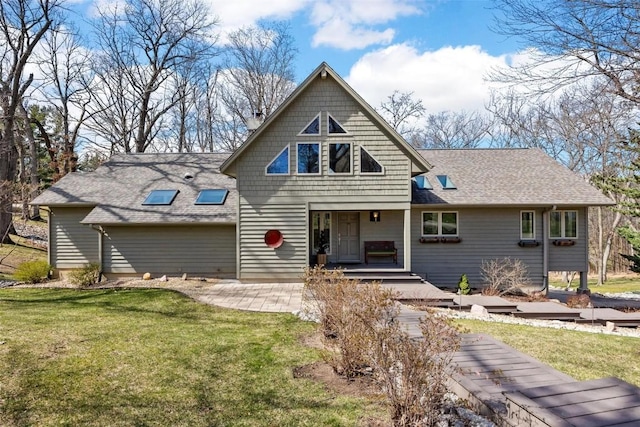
x=348, y=311
x=463, y=285
x=578, y=301
x=85, y=276
x=360, y=324
x=413, y=372
x=504, y=276
x=32, y=271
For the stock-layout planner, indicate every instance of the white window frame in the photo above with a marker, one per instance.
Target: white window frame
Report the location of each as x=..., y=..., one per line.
x=439, y=214
x=274, y=159
x=319, y=159
x=533, y=225
x=317, y=116
x=321, y=214
x=346, y=132
x=373, y=157
x=329, y=171
x=563, y=228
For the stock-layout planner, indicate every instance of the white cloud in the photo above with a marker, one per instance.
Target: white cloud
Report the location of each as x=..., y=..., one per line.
x=351, y=24
x=235, y=14
x=450, y=78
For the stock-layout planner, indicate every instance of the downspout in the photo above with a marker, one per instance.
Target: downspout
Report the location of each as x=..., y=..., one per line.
x=545, y=249
x=49, y=228
x=100, y=231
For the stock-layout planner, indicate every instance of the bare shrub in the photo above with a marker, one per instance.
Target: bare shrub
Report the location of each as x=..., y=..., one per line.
x=348, y=312
x=412, y=371
x=361, y=328
x=578, y=301
x=504, y=276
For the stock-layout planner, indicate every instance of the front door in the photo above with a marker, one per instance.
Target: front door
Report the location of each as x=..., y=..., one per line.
x=348, y=237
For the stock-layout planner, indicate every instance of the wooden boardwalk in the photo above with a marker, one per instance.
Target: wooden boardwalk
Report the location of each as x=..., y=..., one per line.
x=516, y=390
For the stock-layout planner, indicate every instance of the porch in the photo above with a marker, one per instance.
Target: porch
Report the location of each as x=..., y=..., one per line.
x=347, y=239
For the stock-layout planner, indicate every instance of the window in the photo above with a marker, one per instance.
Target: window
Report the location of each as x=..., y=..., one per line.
x=280, y=164
x=527, y=225
x=340, y=157
x=563, y=224
x=423, y=182
x=446, y=182
x=439, y=223
x=308, y=158
x=313, y=128
x=368, y=164
x=212, y=197
x=333, y=127
x=160, y=197
x=321, y=231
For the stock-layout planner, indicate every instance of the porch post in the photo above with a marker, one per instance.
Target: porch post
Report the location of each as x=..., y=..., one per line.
x=407, y=239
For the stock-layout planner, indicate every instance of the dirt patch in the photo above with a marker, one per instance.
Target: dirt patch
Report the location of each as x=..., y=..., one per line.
x=323, y=373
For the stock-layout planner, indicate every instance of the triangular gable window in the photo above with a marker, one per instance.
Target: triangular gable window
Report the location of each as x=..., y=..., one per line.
x=280, y=163
x=368, y=164
x=313, y=128
x=334, y=127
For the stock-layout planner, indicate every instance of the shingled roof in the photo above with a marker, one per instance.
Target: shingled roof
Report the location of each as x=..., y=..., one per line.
x=504, y=177
x=118, y=188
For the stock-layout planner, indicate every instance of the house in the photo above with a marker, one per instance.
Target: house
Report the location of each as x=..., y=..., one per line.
x=324, y=170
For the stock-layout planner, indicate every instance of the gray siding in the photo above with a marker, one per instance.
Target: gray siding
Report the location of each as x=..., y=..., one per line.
x=486, y=234
x=257, y=261
x=171, y=250
x=72, y=244
x=281, y=202
x=572, y=258
x=390, y=227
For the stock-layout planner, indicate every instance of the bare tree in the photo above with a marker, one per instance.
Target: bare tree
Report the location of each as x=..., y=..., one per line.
x=143, y=46
x=574, y=40
x=258, y=76
x=450, y=129
x=23, y=24
x=400, y=109
x=65, y=66
x=580, y=129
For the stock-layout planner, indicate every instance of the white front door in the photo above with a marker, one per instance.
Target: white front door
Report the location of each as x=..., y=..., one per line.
x=348, y=237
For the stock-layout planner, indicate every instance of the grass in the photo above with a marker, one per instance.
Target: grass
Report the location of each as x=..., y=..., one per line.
x=155, y=357
x=582, y=355
x=616, y=284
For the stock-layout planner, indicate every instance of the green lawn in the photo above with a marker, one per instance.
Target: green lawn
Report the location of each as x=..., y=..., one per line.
x=582, y=355
x=626, y=283
x=156, y=358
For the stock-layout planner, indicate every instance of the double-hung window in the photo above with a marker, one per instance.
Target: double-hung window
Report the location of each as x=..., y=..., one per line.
x=563, y=224
x=527, y=225
x=439, y=223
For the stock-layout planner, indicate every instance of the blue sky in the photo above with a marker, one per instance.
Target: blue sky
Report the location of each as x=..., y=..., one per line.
x=439, y=49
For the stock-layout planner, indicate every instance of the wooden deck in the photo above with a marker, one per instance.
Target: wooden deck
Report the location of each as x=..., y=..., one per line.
x=514, y=390
x=484, y=368
x=605, y=402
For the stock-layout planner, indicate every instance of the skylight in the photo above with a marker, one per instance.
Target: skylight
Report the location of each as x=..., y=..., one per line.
x=160, y=197
x=215, y=196
x=423, y=182
x=446, y=182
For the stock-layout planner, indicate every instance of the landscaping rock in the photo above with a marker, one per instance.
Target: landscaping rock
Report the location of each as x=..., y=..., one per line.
x=146, y=276
x=479, y=310
x=163, y=279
